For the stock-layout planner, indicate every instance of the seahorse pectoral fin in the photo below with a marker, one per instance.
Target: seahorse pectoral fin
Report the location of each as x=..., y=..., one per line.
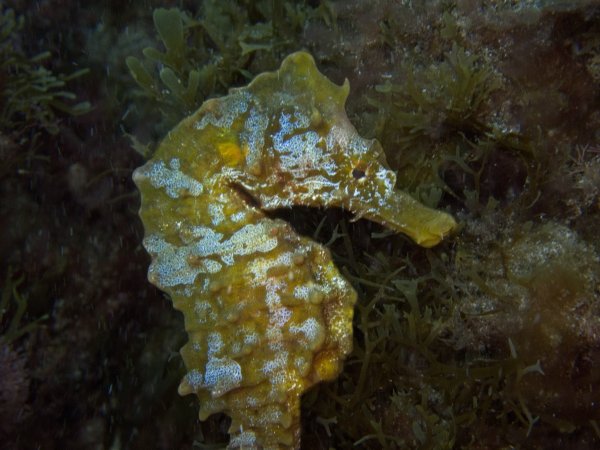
x=402, y=213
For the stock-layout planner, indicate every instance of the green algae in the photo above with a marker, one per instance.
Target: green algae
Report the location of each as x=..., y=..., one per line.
x=31, y=94
x=180, y=87
x=13, y=307
x=438, y=119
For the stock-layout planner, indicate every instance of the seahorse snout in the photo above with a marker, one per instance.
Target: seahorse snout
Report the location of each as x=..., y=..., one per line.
x=402, y=213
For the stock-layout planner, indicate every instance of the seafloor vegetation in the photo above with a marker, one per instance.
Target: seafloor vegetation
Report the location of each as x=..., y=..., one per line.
x=487, y=109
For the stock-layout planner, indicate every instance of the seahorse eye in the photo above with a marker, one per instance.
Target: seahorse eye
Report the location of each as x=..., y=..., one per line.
x=358, y=173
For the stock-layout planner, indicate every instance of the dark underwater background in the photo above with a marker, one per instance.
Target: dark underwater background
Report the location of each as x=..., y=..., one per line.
x=489, y=110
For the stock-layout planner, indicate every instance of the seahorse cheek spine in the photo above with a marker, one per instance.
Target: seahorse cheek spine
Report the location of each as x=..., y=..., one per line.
x=267, y=313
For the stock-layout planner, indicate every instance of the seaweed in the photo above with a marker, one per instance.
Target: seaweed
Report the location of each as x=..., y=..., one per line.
x=180, y=87
x=13, y=306
x=442, y=97
x=435, y=116
x=31, y=94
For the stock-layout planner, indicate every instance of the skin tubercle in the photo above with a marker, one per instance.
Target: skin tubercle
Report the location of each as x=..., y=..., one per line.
x=267, y=313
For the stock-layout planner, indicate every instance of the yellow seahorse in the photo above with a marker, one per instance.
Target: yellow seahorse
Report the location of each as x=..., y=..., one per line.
x=267, y=313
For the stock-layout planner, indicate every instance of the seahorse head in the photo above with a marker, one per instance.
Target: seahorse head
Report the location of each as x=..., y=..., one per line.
x=293, y=144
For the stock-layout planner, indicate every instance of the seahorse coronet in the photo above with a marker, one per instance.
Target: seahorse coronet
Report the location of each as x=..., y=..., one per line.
x=267, y=313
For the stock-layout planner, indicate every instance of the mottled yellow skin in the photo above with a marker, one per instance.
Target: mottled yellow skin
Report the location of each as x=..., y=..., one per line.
x=267, y=313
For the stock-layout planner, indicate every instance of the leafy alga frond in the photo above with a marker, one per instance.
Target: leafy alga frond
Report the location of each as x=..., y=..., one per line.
x=30, y=93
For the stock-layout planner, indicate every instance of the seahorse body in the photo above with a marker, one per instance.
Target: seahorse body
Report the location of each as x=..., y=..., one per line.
x=267, y=313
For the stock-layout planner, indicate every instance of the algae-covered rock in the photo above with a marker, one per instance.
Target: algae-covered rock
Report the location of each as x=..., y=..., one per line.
x=537, y=298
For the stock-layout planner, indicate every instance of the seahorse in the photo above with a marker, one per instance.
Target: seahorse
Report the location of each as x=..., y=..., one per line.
x=267, y=312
